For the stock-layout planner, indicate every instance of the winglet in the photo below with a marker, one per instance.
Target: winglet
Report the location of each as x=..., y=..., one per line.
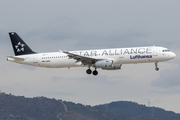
x=65, y=51
x=60, y=51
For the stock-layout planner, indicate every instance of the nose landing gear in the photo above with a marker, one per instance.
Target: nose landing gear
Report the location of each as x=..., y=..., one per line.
x=156, y=65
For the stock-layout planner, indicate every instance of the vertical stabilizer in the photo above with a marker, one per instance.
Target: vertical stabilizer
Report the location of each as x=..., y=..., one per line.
x=19, y=46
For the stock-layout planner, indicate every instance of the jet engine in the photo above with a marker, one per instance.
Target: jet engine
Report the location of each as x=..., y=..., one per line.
x=113, y=67
x=103, y=64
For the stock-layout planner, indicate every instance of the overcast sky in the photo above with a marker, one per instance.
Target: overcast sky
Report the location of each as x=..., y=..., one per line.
x=50, y=25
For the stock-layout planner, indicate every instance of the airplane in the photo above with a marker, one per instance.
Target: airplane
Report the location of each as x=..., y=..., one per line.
x=106, y=59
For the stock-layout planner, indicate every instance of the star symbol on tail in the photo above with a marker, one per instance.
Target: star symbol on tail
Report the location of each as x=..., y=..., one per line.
x=20, y=47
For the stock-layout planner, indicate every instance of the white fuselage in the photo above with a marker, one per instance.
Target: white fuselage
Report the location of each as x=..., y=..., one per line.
x=118, y=56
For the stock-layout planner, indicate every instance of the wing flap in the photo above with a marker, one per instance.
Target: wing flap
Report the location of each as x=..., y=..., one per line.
x=79, y=58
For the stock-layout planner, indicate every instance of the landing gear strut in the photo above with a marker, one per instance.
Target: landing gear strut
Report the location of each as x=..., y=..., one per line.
x=89, y=71
x=156, y=65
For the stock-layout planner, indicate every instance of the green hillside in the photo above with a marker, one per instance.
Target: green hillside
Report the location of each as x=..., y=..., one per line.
x=134, y=109
x=41, y=108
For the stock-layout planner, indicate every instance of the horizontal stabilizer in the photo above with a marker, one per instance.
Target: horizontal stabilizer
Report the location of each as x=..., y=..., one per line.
x=15, y=58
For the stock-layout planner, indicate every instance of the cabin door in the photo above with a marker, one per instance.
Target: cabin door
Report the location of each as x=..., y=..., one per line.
x=35, y=59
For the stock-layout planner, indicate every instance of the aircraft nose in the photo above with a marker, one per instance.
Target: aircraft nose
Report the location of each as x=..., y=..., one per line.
x=173, y=55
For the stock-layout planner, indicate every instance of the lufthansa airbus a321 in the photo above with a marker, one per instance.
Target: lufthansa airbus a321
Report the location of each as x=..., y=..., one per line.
x=106, y=59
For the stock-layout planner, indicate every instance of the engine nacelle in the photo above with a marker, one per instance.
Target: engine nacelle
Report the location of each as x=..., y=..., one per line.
x=114, y=67
x=103, y=64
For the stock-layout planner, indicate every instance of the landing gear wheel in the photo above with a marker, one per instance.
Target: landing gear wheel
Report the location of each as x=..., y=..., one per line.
x=95, y=72
x=88, y=71
x=157, y=69
x=156, y=65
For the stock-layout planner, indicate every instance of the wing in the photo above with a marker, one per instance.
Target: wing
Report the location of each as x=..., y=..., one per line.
x=79, y=58
x=15, y=58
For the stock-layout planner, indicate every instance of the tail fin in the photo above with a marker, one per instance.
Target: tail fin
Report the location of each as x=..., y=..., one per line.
x=19, y=46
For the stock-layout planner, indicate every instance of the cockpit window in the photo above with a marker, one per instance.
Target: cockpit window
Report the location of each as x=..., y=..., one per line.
x=165, y=50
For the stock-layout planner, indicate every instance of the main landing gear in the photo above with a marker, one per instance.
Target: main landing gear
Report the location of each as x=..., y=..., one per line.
x=156, y=65
x=89, y=71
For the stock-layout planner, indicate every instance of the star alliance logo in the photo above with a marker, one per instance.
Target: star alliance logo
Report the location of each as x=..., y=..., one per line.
x=20, y=47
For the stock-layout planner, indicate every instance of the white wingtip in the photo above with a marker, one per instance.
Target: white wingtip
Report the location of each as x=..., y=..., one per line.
x=60, y=51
